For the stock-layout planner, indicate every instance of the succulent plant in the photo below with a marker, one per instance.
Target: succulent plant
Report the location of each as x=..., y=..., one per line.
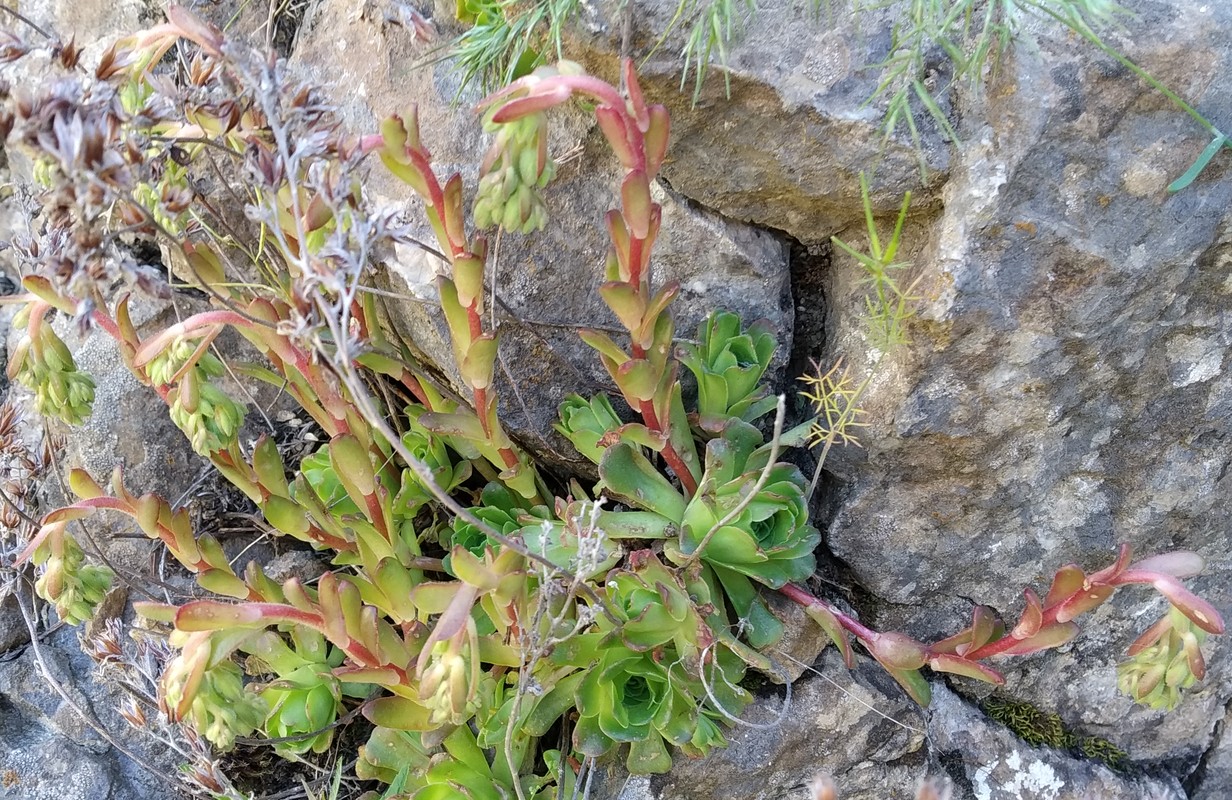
x=1164, y=661
x=466, y=625
x=205, y=687
x=430, y=449
x=206, y=414
x=656, y=609
x=73, y=586
x=769, y=538
x=649, y=700
x=588, y=424
x=728, y=364
x=164, y=368
x=306, y=698
x=43, y=364
x=449, y=677
x=498, y=509
x=516, y=168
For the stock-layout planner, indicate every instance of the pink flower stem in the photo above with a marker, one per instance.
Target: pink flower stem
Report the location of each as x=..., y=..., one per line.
x=805, y=598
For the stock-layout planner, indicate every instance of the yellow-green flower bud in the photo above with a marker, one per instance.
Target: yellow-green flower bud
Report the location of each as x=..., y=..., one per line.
x=221, y=709
x=206, y=414
x=1164, y=665
x=445, y=687
x=74, y=587
x=45, y=365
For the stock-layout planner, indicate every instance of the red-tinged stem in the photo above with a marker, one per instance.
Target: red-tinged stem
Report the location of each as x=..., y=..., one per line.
x=378, y=516
x=509, y=457
x=154, y=346
x=1000, y=646
x=277, y=613
x=805, y=598
x=866, y=635
x=646, y=407
x=600, y=90
x=357, y=313
x=1135, y=576
x=329, y=540
x=436, y=197
x=635, y=261
x=370, y=142
x=38, y=310
x=1007, y=642
x=481, y=410
x=475, y=322
x=108, y=324
x=331, y=402
x=413, y=386
x=670, y=455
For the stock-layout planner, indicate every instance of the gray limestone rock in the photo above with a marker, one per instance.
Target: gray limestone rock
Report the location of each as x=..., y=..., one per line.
x=1067, y=387
x=13, y=631
x=47, y=750
x=1213, y=778
x=999, y=766
x=780, y=136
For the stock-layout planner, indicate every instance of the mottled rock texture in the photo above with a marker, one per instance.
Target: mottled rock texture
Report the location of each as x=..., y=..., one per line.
x=859, y=730
x=47, y=751
x=779, y=138
x=1067, y=387
x=998, y=766
x=1214, y=774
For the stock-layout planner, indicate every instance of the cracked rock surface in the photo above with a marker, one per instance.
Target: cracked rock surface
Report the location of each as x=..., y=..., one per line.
x=47, y=752
x=859, y=729
x=1068, y=386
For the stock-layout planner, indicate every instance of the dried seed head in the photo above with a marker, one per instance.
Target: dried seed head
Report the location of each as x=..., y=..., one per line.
x=11, y=47
x=133, y=713
x=204, y=773
x=104, y=646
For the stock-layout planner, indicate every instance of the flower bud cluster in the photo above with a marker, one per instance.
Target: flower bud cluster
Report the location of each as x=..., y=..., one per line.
x=163, y=368
x=43, y=364
x=74, y=587
x=1169, y=662
x=166, y=199
x=518, y=168
x=206, y=414
x=221, y=710
x=447, y=688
